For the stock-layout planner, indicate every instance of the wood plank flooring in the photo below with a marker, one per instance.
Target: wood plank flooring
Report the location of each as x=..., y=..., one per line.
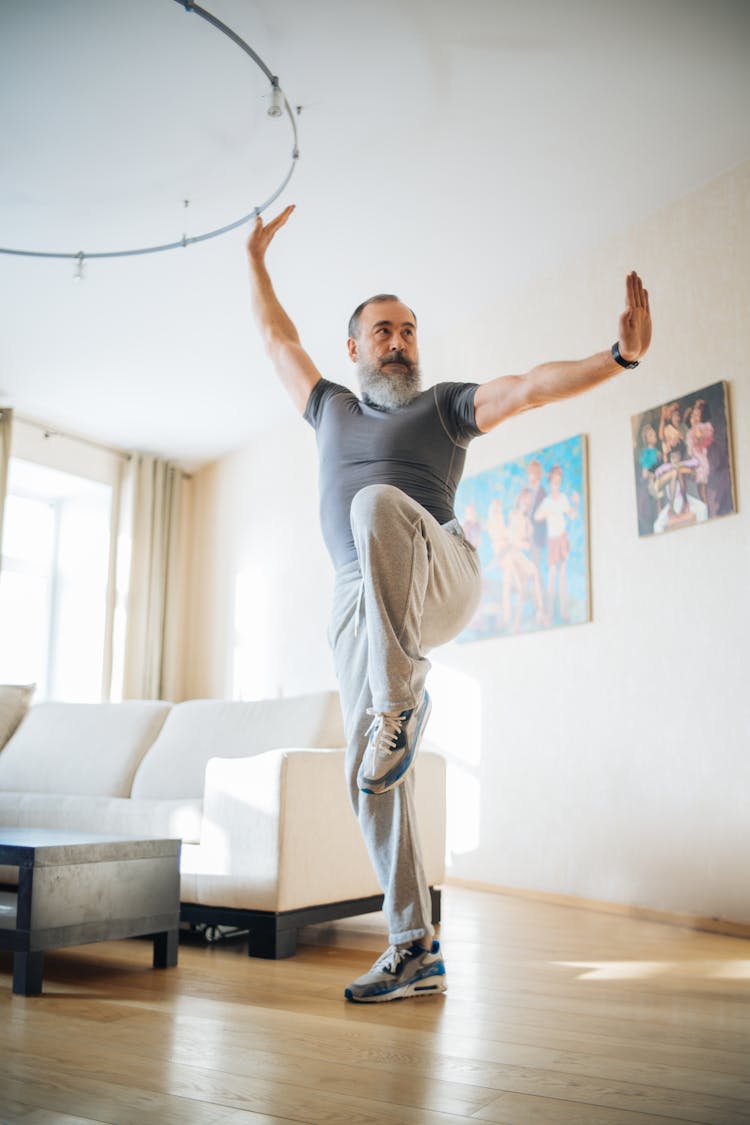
x=553, y=1014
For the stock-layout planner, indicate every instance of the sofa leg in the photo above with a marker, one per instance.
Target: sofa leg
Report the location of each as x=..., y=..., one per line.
x=267, y=939
x=436, y=898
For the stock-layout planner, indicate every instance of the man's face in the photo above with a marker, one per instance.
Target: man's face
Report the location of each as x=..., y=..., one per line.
x=386, y=354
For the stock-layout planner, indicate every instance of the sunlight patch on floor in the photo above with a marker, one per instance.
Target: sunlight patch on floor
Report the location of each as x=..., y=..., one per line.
x=642, y=970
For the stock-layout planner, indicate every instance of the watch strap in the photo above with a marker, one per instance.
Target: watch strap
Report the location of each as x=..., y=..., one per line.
x=618, y=358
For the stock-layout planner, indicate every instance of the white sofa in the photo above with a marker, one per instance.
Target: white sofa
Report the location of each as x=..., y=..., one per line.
x=255, y=790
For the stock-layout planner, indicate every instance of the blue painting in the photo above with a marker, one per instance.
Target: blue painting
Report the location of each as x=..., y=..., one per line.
x=528, y=519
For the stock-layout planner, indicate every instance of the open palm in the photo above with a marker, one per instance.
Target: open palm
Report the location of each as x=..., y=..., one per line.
x=635, y=322
x=262, y=233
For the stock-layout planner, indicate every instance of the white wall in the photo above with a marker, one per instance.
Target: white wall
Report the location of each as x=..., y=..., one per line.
x=607, y=760
x=262, y=581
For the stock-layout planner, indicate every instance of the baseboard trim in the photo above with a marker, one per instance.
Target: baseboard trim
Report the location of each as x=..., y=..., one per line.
x=645, y=913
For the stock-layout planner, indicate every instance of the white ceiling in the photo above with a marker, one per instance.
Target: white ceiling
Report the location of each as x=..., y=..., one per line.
x=448, y=152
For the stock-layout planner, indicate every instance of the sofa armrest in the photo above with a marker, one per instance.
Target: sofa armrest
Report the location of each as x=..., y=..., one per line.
x=279, y=832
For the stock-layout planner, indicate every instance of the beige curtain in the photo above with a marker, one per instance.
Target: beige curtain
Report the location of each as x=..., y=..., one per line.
x=151, y=508
x=6, y=420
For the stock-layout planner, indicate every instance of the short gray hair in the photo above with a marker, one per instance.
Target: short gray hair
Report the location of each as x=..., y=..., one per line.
x=377, y=299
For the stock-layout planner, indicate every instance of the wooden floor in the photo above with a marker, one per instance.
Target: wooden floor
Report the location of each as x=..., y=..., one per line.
x=552, y=1015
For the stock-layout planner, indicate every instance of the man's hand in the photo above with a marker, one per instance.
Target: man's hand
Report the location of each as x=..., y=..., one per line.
x=262, y=234
x=635, y=322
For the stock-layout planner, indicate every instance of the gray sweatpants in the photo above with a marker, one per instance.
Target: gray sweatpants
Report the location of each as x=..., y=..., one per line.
x=415, y=585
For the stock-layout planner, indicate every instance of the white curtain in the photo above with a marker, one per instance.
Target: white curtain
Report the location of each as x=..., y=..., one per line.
x=6, y=420
x=151, y=511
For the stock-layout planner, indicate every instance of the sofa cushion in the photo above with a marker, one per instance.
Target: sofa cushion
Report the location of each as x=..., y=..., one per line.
x=201, y=729
x=14, y=703
x=90, y=749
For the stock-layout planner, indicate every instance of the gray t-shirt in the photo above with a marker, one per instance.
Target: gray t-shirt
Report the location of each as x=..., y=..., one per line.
x=420, y=448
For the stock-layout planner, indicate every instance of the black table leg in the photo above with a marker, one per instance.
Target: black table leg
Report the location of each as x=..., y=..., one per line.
x=165, y=949
x=27, y=973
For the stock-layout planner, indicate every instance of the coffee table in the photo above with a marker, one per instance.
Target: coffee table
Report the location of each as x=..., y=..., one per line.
x=75, y=888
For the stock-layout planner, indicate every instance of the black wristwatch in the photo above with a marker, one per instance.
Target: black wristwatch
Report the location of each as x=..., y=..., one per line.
x=618, y=358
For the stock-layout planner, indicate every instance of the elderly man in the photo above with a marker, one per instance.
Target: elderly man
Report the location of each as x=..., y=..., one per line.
x=407, y=579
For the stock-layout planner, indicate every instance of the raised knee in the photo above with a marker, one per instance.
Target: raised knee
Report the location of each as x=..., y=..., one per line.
x=373, y=501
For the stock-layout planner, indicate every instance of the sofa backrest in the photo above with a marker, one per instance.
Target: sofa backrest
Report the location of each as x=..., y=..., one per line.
x=89, y=749
x=201, y=729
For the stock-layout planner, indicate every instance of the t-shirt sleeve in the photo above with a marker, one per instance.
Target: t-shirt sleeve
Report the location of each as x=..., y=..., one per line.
x=319, y=396
x=456, y=404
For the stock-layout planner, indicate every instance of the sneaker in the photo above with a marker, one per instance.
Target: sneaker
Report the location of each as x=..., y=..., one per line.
x=401, y=972
x=392, y=744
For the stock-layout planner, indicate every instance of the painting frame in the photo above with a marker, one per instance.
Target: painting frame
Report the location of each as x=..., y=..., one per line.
x=683, y=461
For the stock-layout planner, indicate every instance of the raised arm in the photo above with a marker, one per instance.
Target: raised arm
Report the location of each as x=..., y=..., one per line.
x=293, y=365
x=507, y=395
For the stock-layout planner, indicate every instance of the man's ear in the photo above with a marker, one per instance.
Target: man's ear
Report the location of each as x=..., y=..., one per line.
x=351, y=347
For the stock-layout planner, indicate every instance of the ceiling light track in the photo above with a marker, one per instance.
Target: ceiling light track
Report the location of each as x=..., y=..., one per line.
x=278, y=105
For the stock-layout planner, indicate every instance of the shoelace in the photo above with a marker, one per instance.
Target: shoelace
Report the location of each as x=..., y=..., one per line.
x=391, y=959
x=387, y=729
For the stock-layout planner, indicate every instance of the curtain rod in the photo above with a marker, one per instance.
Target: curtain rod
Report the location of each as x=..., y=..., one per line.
x=52, y=431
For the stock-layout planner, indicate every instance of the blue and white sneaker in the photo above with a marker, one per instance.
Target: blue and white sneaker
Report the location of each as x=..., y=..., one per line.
x=401, y=972
x=392, y=744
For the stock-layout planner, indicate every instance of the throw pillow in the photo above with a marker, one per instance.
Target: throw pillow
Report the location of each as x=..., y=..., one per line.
x=14, y=703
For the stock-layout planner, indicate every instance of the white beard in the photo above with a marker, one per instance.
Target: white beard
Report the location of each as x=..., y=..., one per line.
x=389, y=391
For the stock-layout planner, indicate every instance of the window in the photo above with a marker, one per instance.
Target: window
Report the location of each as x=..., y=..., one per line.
x=53, y=583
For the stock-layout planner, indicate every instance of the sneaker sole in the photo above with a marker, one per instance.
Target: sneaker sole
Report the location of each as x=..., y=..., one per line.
x=430, y=986
x=390, y=783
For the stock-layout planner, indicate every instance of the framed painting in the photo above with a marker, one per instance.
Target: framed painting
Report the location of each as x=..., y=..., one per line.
x=528, y=519
x=682, y=460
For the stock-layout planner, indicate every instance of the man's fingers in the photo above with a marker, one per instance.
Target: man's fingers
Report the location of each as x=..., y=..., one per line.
x=273, y=225
x=635, y=295
x=641, y=294
x=262, y=234
x=635, y=322
x=280, y=219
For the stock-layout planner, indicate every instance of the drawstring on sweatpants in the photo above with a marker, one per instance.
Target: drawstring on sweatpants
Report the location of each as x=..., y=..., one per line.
x=358, y=607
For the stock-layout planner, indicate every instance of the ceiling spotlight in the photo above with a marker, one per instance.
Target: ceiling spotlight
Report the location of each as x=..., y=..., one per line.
x=275, y=100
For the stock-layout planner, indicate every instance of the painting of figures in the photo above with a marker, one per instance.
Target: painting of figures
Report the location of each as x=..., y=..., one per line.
x=528, y=519
x=682, y=461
